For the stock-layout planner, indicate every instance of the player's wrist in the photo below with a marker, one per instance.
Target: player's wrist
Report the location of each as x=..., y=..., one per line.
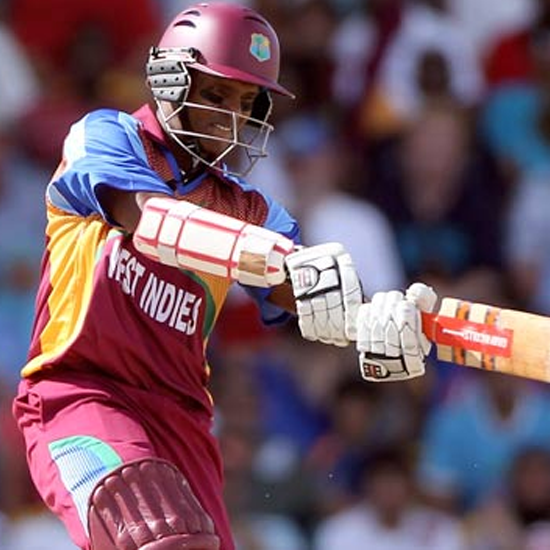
x=327, y=291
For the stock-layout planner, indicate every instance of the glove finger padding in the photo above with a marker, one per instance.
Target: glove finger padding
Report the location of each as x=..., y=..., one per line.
x=327, y=292
x=425, y=298
x=409, y=325
x=384, y=334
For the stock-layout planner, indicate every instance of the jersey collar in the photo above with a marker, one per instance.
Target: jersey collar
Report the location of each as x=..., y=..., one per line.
x=151, y=125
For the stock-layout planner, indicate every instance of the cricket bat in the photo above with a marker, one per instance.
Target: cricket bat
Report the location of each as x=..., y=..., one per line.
x=490, y=338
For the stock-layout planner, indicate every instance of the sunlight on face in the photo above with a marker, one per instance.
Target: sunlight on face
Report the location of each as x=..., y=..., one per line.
x=220, y=93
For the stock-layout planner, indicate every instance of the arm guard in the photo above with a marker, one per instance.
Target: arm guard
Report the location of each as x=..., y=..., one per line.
x=182, y=234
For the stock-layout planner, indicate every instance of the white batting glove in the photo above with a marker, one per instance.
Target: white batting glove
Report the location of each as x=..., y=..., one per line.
x=327, y=291
x=390, y=341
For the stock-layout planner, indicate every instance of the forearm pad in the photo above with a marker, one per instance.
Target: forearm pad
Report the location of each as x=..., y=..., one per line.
x=181, y=234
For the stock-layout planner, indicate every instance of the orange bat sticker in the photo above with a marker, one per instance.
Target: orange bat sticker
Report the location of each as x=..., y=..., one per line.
x=468, y=335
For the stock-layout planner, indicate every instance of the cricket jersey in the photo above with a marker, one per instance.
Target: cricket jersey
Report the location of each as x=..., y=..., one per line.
x=104, y=307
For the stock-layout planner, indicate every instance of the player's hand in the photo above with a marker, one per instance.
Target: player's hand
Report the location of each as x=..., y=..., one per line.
x=390, y=340
x=327, y=291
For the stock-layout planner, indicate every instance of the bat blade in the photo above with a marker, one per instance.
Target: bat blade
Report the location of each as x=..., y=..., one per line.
x=490, y=338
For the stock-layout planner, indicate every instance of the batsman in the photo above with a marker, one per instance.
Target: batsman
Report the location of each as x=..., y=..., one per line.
x=149, y=223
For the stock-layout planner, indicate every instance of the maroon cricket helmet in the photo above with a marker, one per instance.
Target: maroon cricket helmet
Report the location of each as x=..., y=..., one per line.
x=232, y=41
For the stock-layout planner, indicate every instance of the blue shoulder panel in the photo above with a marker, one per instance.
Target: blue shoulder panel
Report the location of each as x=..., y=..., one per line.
x=103, y=148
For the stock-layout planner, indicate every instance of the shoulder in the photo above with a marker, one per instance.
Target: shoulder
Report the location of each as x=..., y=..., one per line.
x=104, y=132
x=108, y=117
x=104, y=125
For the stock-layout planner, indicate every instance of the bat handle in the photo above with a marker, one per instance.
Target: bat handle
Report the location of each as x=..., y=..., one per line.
x=429, y=321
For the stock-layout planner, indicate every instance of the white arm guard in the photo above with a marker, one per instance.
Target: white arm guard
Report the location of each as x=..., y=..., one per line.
x=182, y=234
x=327, y=291
x=390, y=340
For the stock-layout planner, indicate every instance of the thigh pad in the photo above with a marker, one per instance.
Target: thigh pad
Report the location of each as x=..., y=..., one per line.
x=148, y=504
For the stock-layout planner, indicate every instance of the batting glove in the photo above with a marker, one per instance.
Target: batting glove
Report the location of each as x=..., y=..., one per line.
x=390, y=341
x=327, y=292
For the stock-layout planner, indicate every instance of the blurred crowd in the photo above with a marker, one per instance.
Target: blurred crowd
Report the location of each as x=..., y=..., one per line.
x=420, y=139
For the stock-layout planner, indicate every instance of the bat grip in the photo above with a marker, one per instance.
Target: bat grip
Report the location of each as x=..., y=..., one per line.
x=429, y=323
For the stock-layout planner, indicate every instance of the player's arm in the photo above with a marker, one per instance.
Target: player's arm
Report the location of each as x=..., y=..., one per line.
x=124, y=206
x=319, y=283
x=282, y=296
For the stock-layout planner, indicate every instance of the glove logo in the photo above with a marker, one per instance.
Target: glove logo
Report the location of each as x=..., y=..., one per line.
x=305, y=279
x=374, y=370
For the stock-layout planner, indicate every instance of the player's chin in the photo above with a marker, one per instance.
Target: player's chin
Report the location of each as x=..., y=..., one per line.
x=213, y=149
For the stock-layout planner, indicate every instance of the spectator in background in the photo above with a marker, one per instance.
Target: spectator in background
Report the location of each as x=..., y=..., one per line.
x=357, y=49
x=516, y=122
x=51, y=47
x=444, y=199
x=355, y=430
x=254, y=526
x=261, y=391
x=306, y=35
x=483, y=22
x=22, y=223
x=527, y=243
x=389, y=517
x=509, y=58
x=511, y=516
x=361, y=420
x=90, y=58
x=19, y=87
x=428, y=26
x=471, y=438
x=322, y=170
x=515, y=116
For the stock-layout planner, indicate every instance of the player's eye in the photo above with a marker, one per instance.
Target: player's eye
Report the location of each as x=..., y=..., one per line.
x=212, y=97
x=228, y=101
x=247, y=105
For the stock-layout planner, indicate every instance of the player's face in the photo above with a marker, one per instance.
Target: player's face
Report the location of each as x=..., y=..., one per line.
x=218, y=93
